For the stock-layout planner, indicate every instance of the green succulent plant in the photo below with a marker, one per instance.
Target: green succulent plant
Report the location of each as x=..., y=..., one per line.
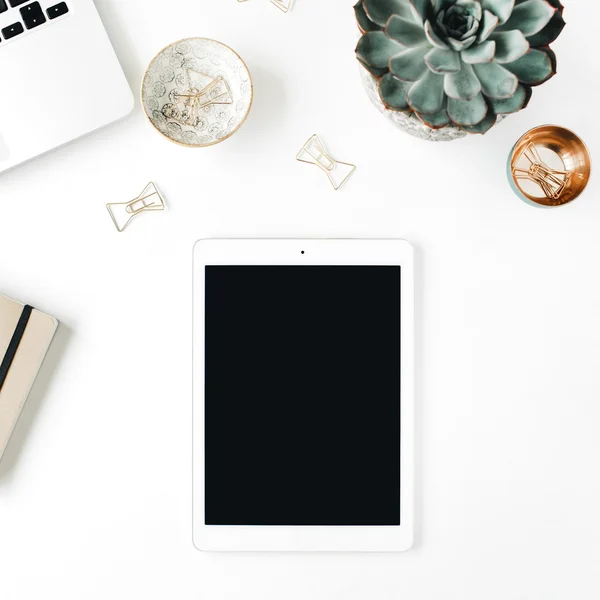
x=461, y=62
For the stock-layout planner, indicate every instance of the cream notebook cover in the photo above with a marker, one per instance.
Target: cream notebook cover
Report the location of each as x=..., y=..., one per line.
x=25, y=336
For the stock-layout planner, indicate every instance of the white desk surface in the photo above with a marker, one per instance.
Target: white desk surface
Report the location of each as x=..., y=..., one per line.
x=95, y=491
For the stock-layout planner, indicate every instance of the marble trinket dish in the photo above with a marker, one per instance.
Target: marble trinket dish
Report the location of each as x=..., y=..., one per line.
x=197, y=92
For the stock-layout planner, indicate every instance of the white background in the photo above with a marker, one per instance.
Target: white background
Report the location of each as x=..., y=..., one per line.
x=95, y=490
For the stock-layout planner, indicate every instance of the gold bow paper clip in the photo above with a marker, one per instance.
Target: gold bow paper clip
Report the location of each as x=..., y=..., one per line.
x=282, y=5
x=552, y=182
x=149, y=200
x=313, y=153
x=196, y=97
x=216, y=92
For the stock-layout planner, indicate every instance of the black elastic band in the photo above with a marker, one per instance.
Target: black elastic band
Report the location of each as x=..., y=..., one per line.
x=14, y=344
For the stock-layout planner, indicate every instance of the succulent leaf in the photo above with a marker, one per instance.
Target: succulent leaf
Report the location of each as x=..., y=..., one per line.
x=554, y=28
x=408, y=33
x=442, y=5
x=515, y=103
x=459, y=45
x=421, y=8
x=426, y=96
x=496, y=81
x=410, y=65
x=510, y=45
x=436, y=120
x=481, y=53
x=473, y=7
x=433, y=38
x=379, y=11
x=393, y=92
x=530, y=17
x=483, y=126
x=375, y=48
x=489, y=22
x=536, y=67
x=467, y=112
x=463, y=85
x=443, y=61
x=364, y=23
x=501, y=8
x=375, y=71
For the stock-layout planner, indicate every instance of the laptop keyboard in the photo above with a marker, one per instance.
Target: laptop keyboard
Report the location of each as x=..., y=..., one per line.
x=19, y=16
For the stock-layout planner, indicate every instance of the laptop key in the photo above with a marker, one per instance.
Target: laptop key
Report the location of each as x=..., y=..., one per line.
x=12, y=31
x=3, y=6
x=33, y=15
x=57, y=11
x=14, y=3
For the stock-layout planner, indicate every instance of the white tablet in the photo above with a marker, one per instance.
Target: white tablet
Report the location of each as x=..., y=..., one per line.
x=303, y=395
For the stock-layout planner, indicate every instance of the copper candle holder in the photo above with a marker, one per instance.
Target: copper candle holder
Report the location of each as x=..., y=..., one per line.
x=549, y=166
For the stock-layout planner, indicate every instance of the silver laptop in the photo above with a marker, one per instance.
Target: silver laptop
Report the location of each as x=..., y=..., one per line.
x=60, y=76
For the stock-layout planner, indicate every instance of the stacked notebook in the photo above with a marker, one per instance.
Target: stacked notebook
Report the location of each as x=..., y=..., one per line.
x=25, y=336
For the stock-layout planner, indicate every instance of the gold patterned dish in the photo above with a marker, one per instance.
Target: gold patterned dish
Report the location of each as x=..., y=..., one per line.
x=197, y=92
x=549, y=166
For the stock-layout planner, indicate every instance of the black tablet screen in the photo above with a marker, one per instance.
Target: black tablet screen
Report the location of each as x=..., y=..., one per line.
x=302, y=395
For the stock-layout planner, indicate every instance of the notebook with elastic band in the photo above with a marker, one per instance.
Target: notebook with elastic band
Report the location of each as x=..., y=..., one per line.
x=25, y=336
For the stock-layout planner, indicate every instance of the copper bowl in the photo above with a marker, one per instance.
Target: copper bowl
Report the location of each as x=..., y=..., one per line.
x=549, y=166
